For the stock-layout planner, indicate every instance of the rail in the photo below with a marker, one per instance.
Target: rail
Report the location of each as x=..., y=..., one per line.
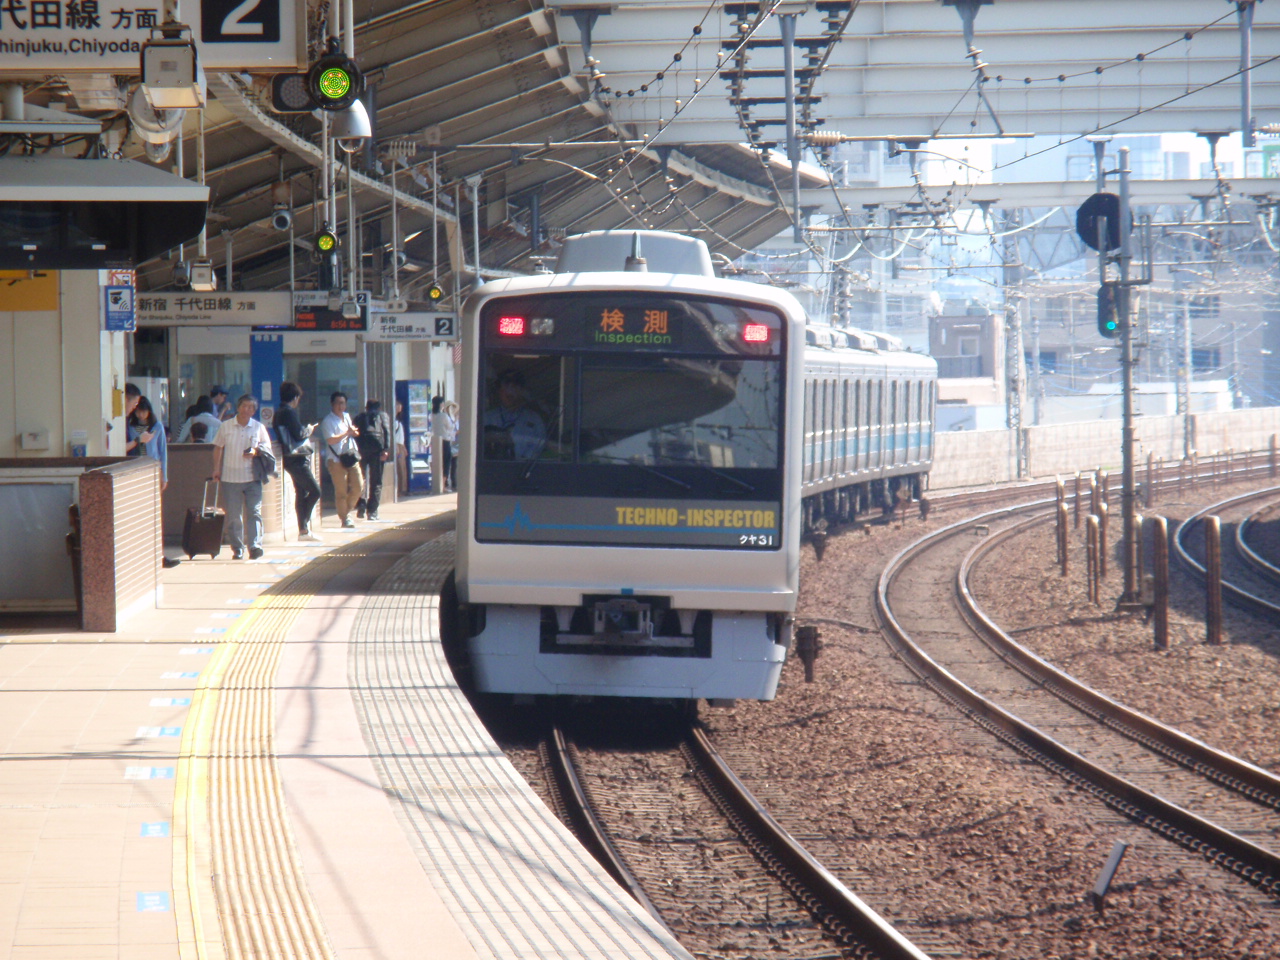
x=1228, y=770
x=1233, y=591
x=1257, y=561
x=843, y=914
x=574, y=808
x=1237, y=854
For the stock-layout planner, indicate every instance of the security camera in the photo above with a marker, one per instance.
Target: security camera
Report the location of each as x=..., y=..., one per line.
x=281, y=218
x=350, y=310
x=203, y=279
x=181, y=274
x=351, y=127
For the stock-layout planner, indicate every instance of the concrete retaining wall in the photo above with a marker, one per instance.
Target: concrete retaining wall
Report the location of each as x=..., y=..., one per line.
x=975, y=458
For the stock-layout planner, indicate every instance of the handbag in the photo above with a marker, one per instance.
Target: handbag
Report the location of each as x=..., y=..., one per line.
x=348, y=460
x=302, y=448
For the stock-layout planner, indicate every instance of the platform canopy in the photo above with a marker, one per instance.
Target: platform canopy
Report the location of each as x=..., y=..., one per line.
x=903, y=67
x=502, y=96
x=64, y=213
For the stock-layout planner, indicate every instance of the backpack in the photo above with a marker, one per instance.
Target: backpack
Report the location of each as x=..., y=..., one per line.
x=374, y=430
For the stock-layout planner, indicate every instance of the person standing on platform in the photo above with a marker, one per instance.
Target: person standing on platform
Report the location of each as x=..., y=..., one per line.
x=204, y=414
x=374, y=441
x=342, y=457
x=443, y=428
x=222, y=408
x=237, y=443
x=451, y=411
x=402, y=452
x=132, y=395
x=148, y=435
x=297, y=449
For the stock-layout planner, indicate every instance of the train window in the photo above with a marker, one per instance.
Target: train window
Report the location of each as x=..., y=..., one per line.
x=857, y=422
x=893, y=402
x=808, y=429
x=844, y=427
x=829, y=413
x=665, y=410
x=526, y=416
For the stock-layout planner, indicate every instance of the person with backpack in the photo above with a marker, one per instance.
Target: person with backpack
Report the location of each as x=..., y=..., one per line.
x=374, y=441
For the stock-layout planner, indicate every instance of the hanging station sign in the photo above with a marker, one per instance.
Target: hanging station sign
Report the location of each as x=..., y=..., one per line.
x=107, y=37
x=398, y=327
x=215, y=309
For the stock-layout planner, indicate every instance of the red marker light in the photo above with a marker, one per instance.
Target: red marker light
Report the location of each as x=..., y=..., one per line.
x=755, y=333
x=511, y=326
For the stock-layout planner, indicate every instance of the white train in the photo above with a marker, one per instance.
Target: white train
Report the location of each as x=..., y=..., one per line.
x=644, y=444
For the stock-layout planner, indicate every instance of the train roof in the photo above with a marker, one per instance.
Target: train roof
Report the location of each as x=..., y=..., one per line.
x=680, y=284
x=841, y=344
x=640, y=251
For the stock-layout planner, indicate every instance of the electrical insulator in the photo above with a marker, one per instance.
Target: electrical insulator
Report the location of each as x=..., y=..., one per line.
x=825, y=138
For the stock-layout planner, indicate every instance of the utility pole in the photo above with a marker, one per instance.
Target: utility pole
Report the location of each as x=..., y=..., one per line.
x=1037, y=380
x=1013, y=345
x=788, y=24
x=1128, y=499
x=1184, y=374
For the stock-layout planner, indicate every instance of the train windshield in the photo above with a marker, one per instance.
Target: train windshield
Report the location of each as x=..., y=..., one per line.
x=611, y=399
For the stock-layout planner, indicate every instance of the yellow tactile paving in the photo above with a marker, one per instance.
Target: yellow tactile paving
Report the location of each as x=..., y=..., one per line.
x=238, y=891
x=106, y=748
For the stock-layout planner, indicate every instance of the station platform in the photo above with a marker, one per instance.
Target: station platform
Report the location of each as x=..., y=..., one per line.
x=278, y=764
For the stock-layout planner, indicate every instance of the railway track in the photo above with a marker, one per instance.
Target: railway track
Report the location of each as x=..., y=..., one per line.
x=823, y=916
x=1210, y=803
x=1212, y=470
x=1249, y=581
x=1258, y=556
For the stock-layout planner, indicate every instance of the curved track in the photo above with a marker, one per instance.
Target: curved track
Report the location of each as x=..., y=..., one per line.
x=851, y=924
x=1149, y=772
x=1248, y=580
x=1255, y=557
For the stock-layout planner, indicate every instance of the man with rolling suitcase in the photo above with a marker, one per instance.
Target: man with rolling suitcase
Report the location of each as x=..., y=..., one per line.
x=237, y=443
x=202, y=531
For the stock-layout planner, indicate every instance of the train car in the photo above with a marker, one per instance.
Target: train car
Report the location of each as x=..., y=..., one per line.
x=868, y=424
x=634, y=466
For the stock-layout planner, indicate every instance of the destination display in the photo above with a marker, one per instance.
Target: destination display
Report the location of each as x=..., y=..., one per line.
x=630, y=322
x=741, y=525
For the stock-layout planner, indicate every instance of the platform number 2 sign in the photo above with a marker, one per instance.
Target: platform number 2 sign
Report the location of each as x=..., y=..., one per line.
x=240, y=21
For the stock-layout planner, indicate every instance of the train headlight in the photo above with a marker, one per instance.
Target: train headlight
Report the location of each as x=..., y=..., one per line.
x=755, y=333
x=542, y=326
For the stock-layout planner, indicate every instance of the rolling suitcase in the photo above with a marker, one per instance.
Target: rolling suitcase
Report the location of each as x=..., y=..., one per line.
x=202, y=531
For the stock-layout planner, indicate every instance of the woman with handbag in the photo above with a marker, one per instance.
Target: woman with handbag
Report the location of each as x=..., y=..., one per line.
x=295, y=442
x=342, y=457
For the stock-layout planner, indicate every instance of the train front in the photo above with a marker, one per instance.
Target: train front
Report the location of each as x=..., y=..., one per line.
x=628, y=512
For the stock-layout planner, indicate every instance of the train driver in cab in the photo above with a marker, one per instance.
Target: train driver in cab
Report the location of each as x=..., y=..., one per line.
x=513, y=430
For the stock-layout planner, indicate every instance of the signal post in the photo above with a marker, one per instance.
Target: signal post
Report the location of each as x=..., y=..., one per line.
x=1105, y=222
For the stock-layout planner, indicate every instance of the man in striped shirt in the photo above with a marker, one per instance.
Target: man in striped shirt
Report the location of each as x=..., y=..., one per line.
x=236, y=444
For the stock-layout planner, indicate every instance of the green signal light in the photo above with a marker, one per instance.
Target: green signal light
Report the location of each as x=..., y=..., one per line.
x=326, y=242
x=334, y=83
x=435, y=292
